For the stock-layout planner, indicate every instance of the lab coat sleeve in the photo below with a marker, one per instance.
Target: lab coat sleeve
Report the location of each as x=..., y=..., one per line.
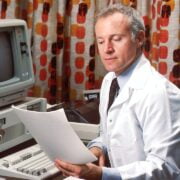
x=96, y=143
x=99, y=141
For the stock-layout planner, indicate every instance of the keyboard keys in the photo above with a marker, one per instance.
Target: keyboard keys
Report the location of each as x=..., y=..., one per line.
x=25, y=156
x=5, y=164
x=31, y=161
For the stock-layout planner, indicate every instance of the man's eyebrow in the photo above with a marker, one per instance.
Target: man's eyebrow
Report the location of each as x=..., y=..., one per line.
x=111, y=35
x=117, y=34
x=99, y=37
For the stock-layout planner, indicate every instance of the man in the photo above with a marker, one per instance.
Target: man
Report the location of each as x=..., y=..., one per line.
x=140, y=131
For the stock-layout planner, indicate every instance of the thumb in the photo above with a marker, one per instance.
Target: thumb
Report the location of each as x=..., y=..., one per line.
x=102, y=161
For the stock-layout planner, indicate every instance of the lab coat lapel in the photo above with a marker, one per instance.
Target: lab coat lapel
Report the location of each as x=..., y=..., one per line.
x=137, y=81
x=123, y=96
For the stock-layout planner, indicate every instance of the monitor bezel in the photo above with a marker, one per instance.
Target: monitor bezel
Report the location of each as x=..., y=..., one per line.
x=21, y=81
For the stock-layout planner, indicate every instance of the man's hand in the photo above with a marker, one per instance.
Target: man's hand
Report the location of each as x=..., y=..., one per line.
x=88, y=171
x=99, y=154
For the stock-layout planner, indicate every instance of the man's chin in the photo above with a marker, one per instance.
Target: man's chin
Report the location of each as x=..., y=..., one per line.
x=116, y=71
x=110, y=69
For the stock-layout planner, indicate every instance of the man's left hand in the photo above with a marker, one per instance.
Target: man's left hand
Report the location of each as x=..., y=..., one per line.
x=88, y=171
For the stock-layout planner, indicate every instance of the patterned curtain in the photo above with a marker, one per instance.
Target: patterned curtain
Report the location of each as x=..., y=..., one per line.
x=61, y=35
x=162, y=19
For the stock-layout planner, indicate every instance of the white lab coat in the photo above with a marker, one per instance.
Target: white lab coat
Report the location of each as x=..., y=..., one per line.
x=142, y=130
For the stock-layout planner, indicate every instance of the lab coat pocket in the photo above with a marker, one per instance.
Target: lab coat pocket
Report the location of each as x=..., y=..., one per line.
x=126, y=140
x=122, y=155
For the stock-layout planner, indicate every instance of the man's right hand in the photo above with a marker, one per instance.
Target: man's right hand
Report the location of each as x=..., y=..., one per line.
x=98, y=152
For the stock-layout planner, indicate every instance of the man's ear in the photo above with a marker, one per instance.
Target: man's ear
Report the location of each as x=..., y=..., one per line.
x=140, y=38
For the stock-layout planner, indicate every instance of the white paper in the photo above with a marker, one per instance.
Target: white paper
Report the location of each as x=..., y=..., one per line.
x=55, y=135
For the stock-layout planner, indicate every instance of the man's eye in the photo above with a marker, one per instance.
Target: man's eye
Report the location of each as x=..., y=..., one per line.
x=100, y=42
x=117, y=38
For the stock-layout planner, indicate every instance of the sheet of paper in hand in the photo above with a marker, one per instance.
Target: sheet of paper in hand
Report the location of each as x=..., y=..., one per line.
x=55, y=135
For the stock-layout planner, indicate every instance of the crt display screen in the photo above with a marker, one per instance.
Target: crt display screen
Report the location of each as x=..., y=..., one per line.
x=6, y=57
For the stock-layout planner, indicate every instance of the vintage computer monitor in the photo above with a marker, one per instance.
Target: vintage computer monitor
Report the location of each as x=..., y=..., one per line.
x=16, y=76
x=16, y=72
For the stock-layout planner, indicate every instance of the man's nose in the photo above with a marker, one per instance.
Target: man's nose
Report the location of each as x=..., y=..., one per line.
x=108, y=47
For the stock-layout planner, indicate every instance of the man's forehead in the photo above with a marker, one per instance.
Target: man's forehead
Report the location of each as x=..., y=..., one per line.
x=115, y=15
x=116, y=20
x=112, y=26
x=111, y=35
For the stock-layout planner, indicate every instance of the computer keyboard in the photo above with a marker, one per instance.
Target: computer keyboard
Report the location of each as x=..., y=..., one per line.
x=30, y=163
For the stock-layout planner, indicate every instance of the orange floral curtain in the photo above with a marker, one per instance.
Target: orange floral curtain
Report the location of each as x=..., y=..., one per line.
x=61, y=35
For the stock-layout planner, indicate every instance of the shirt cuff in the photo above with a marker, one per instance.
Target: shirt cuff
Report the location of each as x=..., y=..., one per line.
x=110, y=173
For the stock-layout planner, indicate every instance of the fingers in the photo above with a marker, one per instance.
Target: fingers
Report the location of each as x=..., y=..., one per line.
x=63, y=165
x=66, y=168
x=99, y=154
x=88, y=171
x=66, y=173
x=101, y=161
x=96, y=151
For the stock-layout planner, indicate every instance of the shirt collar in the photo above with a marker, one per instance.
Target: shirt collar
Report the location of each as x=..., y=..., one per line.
x=125, y=76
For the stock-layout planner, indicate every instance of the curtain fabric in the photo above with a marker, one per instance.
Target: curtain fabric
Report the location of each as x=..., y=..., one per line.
x=61, y=35
x=162, y=19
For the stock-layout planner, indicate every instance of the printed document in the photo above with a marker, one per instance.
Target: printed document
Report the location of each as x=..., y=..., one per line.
x=54, y=134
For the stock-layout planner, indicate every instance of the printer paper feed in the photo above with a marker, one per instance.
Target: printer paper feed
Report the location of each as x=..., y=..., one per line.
x=55, y=135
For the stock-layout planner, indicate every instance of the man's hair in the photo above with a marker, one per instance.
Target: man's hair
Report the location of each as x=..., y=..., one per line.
x=135, y=20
